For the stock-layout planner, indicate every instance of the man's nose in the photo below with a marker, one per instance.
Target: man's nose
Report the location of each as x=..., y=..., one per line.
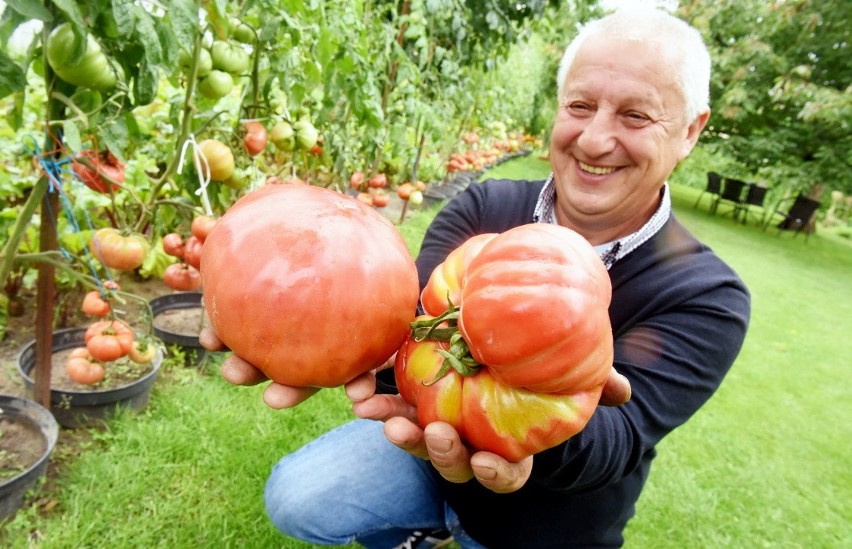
x=599, y=135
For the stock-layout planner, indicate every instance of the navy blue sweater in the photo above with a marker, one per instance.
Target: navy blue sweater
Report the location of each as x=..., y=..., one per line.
x=679, y=317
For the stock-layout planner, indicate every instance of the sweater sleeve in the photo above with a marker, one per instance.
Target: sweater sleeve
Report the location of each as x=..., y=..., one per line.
x=679, y=320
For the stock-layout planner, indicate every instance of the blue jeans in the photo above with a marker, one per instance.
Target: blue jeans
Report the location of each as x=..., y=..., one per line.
x=352, y=484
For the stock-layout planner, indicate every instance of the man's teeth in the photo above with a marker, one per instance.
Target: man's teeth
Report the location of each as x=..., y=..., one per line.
x=596, y=170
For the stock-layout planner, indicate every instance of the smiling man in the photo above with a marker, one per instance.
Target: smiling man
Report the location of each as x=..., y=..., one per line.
x=633, y=99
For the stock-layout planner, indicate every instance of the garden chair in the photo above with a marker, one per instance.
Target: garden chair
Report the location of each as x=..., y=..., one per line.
x=714, y=187
x=798, y=217
x=732, y=191
x=754, y=198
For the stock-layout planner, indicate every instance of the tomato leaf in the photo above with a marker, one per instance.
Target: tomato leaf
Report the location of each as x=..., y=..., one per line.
x=122, y=12
x=147, y=35
x=182, y=18
x=12, y=78
x=71, y=135
x=72, y=11
x=145, y=83
x=30, y=9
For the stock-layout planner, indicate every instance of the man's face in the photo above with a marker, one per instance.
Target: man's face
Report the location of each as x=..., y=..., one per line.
x=618, y=134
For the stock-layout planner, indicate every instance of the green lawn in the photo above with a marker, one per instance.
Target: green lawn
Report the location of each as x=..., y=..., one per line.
x=764, y=464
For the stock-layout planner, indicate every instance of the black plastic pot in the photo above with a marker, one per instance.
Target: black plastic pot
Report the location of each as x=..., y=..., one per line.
x=189, y=343
x=73, y=408
x=12, y=490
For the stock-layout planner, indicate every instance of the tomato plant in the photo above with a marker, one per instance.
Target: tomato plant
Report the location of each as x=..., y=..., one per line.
x=81, y=368
x=327, y=284
x=522, y=346
x=109, y=340
x=124, y=252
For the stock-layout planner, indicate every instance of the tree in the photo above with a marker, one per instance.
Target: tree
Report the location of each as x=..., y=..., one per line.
x=780, y=94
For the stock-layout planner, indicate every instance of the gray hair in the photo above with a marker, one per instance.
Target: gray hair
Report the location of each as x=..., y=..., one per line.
x=674, y=36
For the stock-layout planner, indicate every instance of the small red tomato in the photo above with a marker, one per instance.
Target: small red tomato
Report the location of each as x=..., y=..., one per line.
x=192, y=251
x=201, y=226
x=404, y=191
x=182, y=277
x=255, y=138
x=356, y=180
x=380, y=200
x=95, y=305
x=173, y=244
x=81, y=368
x=378, y=181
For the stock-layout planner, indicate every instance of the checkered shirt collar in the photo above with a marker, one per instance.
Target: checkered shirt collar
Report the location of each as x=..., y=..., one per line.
x=545, y=212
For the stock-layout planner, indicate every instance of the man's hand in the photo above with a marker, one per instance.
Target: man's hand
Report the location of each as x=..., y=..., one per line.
x=440, y=444
x=239, y=372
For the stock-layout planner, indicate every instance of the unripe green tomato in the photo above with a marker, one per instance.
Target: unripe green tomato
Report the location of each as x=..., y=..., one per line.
x=415, y=198
x=205, y=62
x=282, y=136
x=215, y=85
x=240, y=179
x=306, y=134
x=241, y=32
x=92, y=70
x=229, y=57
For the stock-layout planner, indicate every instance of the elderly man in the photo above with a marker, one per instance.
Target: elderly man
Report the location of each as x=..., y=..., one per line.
x=633, y=100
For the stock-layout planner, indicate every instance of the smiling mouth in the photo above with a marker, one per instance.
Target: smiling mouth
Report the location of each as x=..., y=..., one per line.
x=596, y=170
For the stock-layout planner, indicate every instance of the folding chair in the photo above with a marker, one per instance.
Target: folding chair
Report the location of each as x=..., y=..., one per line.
x=798, y=217
x=714, y=187
x=755, y=196
x=732, y=191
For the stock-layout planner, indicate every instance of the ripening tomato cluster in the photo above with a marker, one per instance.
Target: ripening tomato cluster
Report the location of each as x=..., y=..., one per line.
x=184, y=276
x=106, y=339
x=373, y=191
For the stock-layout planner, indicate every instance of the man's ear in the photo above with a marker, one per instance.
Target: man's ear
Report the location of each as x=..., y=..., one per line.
x=693, y=131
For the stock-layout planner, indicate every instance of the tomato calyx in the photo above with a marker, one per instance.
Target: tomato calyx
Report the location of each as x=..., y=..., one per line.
x=445, y=328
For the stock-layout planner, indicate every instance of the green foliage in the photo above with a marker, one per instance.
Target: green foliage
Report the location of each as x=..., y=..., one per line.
x=780, y=95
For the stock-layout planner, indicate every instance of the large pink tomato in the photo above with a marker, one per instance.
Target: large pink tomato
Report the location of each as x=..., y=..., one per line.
x=309, y=285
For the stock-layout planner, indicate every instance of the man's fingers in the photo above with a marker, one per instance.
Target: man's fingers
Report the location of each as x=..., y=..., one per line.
x=407, y=435
x=278, y=396
x=499, y=475
x=239, y=372
x=447, y=452
x=209, y=340
x=616, y=391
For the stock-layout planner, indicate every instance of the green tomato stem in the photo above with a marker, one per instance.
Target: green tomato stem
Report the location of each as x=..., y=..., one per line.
x=458, y=356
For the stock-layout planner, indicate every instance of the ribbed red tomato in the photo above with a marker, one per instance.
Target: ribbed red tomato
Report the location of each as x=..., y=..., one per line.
x=118, y=250
x=525, y=348
x=81, y=368
x=109, y=339
x=309, y=285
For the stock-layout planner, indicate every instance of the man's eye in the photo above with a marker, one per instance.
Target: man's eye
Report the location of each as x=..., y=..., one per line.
x=636, y=118
x=578, y=107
